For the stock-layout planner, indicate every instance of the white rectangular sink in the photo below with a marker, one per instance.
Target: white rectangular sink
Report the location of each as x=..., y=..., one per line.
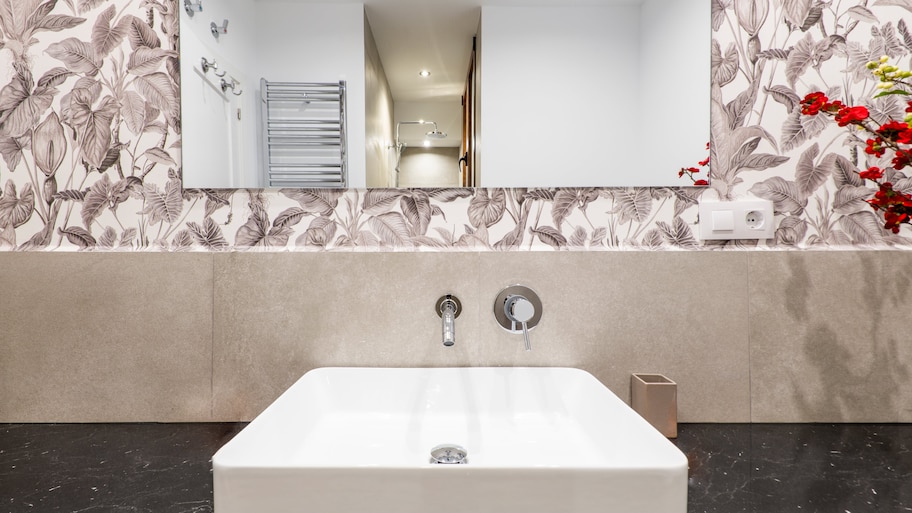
x=538, y=440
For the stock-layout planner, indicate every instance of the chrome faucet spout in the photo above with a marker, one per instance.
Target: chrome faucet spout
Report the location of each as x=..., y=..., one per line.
x=449, y=323
x=448, y=308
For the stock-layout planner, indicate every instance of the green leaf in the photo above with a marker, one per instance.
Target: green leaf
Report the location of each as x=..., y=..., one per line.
x=895, y=91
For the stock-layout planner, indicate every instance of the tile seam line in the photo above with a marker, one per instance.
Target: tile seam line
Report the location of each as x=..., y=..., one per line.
x=750, y=364
x=212, y=342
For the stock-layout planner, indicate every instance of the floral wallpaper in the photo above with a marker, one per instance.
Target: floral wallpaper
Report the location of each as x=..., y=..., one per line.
x=90, y=147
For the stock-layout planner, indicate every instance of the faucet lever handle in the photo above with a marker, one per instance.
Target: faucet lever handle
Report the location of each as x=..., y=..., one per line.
x=526, y=338
x=520, y=310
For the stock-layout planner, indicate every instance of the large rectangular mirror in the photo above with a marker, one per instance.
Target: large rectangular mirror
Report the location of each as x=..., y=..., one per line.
x=419, y=93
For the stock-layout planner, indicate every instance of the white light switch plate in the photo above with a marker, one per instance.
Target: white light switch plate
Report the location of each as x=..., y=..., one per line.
x=739, y=219
x=723, y=220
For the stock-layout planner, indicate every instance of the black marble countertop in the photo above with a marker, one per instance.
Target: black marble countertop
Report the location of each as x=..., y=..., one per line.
x=778, y=468
x=154, y=468
x=756, y=468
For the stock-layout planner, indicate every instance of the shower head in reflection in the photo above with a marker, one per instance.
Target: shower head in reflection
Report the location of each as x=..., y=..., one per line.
x=433, y=134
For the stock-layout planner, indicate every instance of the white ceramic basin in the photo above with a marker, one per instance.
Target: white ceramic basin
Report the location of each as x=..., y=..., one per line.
x=539, y=440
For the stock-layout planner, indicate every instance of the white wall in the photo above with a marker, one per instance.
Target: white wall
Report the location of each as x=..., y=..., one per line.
x=379, y=116
x=429, y=167
x=667, y=62
x=218, y=149
x=479, y=138
x=575, y=92
x=550, y=101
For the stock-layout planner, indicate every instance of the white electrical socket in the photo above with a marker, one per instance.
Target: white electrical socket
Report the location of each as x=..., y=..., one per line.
x=754, y=220
x=738, y=219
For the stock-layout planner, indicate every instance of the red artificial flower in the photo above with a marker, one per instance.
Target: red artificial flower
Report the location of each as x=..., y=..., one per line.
x=893, y=219
x=896, y=131
x=892, y=129
x=895, y=206
x=872, y=173
x=812, y=103
x=701, y=182
x=902, y=159
x=834, y=107
x=703, y=162
x=891, y=223
x=882, y=194
x=875, y=147
x=849, y=115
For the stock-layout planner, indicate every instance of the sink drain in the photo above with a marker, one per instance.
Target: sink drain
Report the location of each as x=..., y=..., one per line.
x=449, y=454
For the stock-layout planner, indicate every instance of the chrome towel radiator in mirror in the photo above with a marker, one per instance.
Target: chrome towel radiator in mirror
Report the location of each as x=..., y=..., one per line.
x=304, y=134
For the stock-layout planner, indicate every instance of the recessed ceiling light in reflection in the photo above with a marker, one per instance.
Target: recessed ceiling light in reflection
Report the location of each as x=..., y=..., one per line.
x=424, y=73
x=427, y=144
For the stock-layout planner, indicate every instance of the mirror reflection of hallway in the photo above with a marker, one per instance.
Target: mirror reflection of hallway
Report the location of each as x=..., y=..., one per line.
x=428, y=134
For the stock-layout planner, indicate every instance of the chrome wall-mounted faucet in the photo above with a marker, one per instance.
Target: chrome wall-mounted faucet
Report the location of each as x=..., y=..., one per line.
x=218, y=30
x=518, y=309
x=448, y=308
x=193, y=7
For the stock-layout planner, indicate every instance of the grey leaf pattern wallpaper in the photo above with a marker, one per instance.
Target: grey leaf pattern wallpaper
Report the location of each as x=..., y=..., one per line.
x=90, y=147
